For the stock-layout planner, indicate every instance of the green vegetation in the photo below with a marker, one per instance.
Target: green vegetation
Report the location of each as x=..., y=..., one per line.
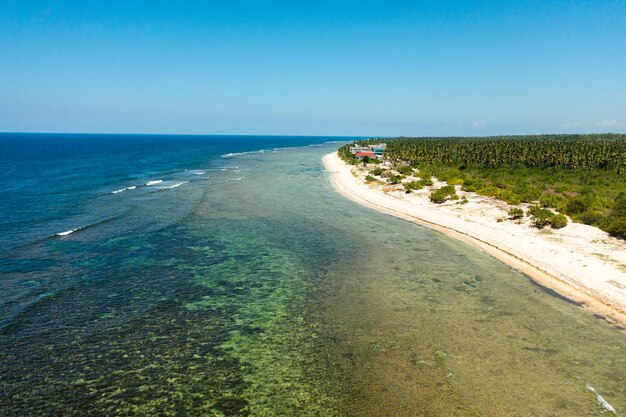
x=395, y=179
x=516, y=213
x=417, y=185
x=443, y=194
x=582, y=176
x=406, y=170
x=542, y=217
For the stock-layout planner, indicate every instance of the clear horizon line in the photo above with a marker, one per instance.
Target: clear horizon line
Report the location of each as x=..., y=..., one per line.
x=294, y=135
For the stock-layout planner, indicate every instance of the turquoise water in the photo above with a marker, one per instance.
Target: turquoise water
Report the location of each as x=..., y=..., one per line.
x=255, y=289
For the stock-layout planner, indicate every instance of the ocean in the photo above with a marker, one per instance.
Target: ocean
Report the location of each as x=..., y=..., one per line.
x=164, y=275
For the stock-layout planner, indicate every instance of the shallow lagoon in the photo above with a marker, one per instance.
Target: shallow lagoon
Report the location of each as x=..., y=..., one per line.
x=258, y=290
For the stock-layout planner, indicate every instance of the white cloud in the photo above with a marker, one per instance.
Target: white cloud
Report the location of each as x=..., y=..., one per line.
x=610, y=123
x=479, y=124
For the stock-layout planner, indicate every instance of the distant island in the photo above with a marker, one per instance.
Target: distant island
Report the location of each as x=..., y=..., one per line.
x=552, y=206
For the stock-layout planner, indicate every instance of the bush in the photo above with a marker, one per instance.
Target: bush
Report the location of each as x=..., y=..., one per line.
x=619, y=206
x=543, y=217
x=509, y=197
x=369, y=178
x=516, y=213
x=396, y=179
x=378, y=171
x=417, y=185
x=586, y=202
x=473, y=184
x=554, y=201
x=592, y=218
x=426, y=172
x=489, y=191
x=444, y=193
x=558, y=221
x=405, y=170
x=617, y=228
x=455, y=181
x=527, y=193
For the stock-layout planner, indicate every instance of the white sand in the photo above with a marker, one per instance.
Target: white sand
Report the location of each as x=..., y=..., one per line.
x=581, y=262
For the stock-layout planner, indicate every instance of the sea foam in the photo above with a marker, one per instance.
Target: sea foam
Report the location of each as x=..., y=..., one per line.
x=178, y=184
x=67, y=232
x=230, y=155
x=124, y=189
x=166, y=186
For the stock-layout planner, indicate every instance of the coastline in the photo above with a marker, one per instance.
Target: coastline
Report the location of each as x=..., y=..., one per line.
x=572, y=262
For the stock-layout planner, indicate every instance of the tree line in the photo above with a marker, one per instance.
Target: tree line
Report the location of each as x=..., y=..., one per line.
x=602, y=151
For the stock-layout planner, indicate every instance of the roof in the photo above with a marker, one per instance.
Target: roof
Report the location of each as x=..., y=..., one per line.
x=365, y=154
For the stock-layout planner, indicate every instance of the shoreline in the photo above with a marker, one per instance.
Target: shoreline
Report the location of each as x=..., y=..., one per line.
x=592, y=294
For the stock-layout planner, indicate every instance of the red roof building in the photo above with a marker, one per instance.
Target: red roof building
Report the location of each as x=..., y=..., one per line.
x=368, y=154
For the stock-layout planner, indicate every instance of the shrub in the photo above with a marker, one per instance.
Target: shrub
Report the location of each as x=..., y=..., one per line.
x=527, y=193
x=617, y=228
x=412, y=185
x=417, y=185
x=444, y=193
x=405, y=170
x=543, y=217
x=473, y=184
x=509, y=197
x=540, y=217
x=516, y=213
x=558, y=221
x=554, y=201
x=592, y=218
x=619, y=206
x=455, y=181
x=500, y=184
x=489, y=191
x=369, y=178
x=396, y=179
x=378, y=171
x=586, y=202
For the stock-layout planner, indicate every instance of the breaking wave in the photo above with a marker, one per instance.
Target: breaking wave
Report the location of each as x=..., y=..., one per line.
x=230, y=155
x=124, y=189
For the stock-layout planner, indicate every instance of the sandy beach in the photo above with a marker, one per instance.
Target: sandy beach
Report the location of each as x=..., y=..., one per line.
x=579, y=262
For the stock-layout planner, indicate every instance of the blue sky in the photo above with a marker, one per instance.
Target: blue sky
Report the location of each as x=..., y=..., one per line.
x=313, y=67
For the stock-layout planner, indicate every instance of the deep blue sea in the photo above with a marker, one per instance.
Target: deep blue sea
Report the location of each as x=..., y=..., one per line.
x=224, y=276
x=54, y=183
